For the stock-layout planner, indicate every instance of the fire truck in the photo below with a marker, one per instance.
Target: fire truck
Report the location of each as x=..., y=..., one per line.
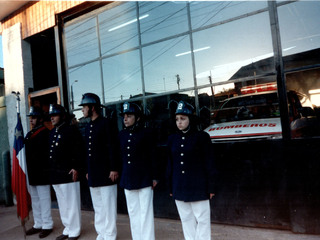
x=255, y=114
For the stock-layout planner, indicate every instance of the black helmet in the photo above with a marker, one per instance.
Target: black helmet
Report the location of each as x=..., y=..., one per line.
x=184, y=108
x=131, y=108
x=56, y=109
x=35, y=111
x=90, y=98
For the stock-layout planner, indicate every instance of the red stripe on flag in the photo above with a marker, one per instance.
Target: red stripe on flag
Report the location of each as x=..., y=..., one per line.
x=19, y=187
x=19, y=174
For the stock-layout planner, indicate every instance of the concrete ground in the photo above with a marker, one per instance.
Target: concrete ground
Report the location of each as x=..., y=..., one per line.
x=166, y=229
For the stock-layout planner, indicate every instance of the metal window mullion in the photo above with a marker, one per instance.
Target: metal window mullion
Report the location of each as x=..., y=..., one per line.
x=279, y=67
x=196, y=97
x=141, y=58
x=62, y=63
x=58, y=58
x=100, y=60
x=180, y=34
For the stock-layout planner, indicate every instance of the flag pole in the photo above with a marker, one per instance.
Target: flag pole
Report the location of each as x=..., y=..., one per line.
x=23, y=221
x=17, y=94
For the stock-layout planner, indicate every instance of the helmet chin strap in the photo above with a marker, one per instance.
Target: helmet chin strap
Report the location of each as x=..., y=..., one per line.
x=61, y=122
x=187, y=129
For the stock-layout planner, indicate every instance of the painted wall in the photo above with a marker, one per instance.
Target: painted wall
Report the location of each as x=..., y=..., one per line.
x=42, y=13
x=18, y=77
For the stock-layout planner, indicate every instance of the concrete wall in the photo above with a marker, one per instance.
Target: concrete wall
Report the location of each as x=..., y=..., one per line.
x=4, y=154
x=4, y=146
x=18, y=77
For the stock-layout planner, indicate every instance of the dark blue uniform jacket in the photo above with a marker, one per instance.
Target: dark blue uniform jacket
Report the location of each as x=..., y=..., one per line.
x=37, y=149
x=190, y=171
x=102, y=152
x=138, y=153
x=66, y=153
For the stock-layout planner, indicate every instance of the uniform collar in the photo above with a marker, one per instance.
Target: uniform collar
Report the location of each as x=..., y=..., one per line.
x=188, y=132
x=134, y=127
x=37, y=127
x=97, y=119
x=60, y=126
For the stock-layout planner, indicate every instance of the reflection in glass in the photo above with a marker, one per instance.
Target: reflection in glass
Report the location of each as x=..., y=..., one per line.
x=211, y=93
x=248, y=110
x=204, y=13
x=88, y=80
x=161, y=112
x=304, y=106
x=240, y=45
x=81, y=42
x=164, y=70
x=301, y=50
x=305, y=35
x=118, y=29
x=232, y=45
x=163, y=19
x=78, y=115
x=210, y=99
x=122, y=76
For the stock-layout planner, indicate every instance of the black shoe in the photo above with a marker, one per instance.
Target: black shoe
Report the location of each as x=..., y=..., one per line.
x=61, y=237
x=73, y=238
x=33, y=231
x=44, y=233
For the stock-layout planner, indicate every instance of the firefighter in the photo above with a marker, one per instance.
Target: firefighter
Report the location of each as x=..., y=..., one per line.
x=102, y=167
x=36, y=145
x=138, y=177
x=66, y=160
x=190, y=174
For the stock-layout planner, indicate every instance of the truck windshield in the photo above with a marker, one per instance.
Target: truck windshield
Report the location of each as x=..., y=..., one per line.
x=244, y=107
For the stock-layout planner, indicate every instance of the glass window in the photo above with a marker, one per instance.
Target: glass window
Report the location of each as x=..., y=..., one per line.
x=204, y=13
x=122, y=76
x=82, y=42
x=221, y=52
x=167, y=66
x=241, y=111
x=304, y=102
x=301, y=49
x=161, y=112
x=84, y=79
x=118, y=29
x=305, y=35
x=233, y=64
x=162, y=19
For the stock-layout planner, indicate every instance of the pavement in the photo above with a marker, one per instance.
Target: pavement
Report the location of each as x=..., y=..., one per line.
x=165, y=229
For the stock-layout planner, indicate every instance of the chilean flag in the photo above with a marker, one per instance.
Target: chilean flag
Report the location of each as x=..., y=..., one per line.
x=19, y=173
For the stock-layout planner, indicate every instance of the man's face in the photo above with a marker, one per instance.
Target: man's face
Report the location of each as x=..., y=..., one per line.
x=55, y=120
x=34, y=121
x=85, y=111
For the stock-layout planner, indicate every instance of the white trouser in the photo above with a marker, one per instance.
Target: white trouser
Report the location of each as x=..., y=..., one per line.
x=140, y=209
x=195, y=219
x=68, y=197
x=41, y=206
x=104, y=201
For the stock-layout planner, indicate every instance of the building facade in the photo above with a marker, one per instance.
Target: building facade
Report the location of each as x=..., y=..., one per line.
x=207, y=53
